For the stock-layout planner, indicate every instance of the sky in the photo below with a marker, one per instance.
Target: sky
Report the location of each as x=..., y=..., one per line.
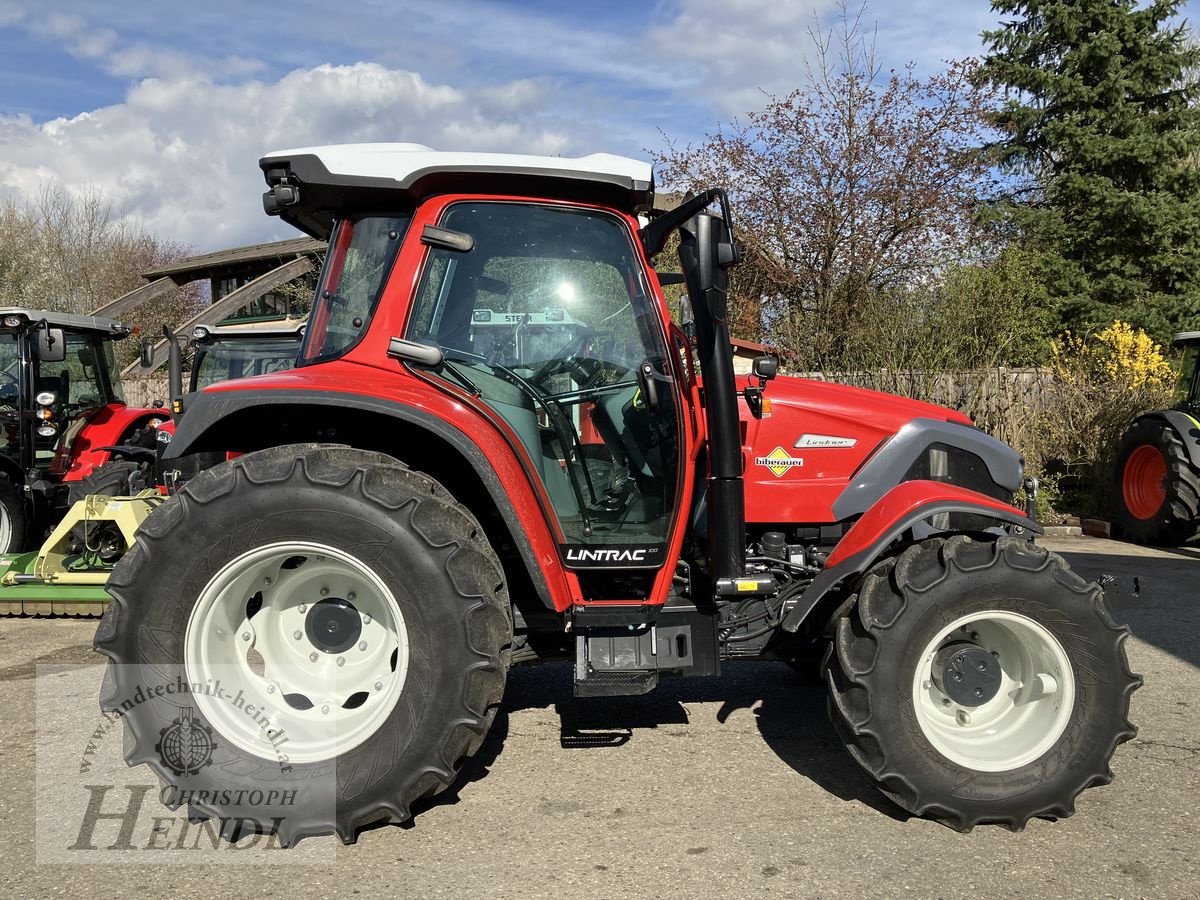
x=166, y=107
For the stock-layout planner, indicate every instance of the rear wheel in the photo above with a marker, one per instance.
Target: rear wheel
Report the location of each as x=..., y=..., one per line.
x=119, y=478
x=351, y=603
x=1156, y=489
x=980, y=682
x=12, y=517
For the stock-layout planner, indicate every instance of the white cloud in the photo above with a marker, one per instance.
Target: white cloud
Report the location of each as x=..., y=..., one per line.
x=737, y=49
x=181, y=154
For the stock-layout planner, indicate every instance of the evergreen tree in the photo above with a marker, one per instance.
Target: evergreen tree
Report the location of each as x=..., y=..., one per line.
x=1100, y=155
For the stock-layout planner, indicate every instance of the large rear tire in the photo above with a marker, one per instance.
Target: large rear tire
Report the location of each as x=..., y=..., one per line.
x=352, y=600
x=12, y=517
x=1156, y=489
x=980, y=682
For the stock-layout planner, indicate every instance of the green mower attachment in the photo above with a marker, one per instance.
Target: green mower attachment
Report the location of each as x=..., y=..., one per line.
x=66, y=577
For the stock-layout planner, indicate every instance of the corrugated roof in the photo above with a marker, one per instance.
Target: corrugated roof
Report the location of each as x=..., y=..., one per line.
x=281, y=250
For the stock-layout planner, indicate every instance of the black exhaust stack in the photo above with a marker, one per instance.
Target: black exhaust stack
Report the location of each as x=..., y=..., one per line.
x=706, y=251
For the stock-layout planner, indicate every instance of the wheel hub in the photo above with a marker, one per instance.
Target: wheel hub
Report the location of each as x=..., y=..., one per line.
x=966, y=673
x=333, y=625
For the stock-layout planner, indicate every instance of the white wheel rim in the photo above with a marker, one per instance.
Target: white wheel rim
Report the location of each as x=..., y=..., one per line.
x=270, y=657
x=1029, y=711
x=5, y=530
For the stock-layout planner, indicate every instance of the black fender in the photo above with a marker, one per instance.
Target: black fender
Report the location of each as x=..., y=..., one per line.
x=889, y=464
x=1186, y=426
x=206, y=412
x=829, y=579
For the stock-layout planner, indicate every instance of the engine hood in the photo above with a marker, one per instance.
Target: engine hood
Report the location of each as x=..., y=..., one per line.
x=858, y=406
x=824, y=452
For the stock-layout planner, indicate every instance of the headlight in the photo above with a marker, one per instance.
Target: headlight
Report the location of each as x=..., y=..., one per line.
x=46, y=398
x=199, y=333
x=12, y=321
x=164, y=437
x=47, y=431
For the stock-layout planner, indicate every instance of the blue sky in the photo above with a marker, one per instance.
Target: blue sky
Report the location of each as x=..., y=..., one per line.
x=131, y=96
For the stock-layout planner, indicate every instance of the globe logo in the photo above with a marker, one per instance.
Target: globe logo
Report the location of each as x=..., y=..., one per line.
x=186, y=745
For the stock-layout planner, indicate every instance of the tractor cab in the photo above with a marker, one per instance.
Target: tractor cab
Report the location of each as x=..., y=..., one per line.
x=61, y=413
x=1188, y=391
x=242, y=349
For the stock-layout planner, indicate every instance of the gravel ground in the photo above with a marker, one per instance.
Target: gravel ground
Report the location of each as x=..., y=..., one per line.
x=710, y=787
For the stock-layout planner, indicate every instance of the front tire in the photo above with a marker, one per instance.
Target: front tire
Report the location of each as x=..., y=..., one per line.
x=1156, y=489
x=379, y=710
x=980, y=682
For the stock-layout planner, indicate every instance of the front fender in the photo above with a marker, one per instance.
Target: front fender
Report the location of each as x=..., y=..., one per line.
x=1187, y=427
x=899, y=510
x=210, y=412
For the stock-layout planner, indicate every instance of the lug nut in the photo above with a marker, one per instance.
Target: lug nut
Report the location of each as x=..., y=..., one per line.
x=926, y=684
x=983, y=667
x=978, y=692
x=379, y=685
x=297, y=634
x=367, y=620
x=324, y=710
x=267, y=580
x=312, y=657
x=341, y=660
x=974, y=635
x=350, y=596
x=270, y=688
x=324, y=592
x=945, y=701
x=362, y=645
x=963, y=717
x=958, y=676
x=245, y=635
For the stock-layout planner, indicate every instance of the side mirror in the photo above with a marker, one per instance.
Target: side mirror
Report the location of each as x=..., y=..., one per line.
x=765, y=368
x=147, y=354
x=51, y=344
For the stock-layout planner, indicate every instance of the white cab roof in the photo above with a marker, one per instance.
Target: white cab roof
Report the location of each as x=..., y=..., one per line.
x=403, y=161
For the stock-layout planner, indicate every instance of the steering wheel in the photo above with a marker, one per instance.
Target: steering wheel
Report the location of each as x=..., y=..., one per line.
x=570, y=362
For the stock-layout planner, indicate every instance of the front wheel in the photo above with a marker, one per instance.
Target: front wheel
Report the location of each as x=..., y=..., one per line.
x=980, y=682
x=12, y=517
x=320, y=636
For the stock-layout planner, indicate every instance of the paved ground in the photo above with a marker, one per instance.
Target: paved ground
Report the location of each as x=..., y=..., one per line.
x=726, y=787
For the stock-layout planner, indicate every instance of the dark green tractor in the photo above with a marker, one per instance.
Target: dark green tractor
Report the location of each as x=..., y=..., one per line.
x=1156, y=488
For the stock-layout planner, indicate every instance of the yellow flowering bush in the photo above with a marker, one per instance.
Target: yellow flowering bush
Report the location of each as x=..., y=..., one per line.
x=1102, y=381
x=1119, y=354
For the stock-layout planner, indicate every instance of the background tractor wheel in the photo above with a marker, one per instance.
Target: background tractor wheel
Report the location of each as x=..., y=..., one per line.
x=980, y=682
x=119, y=478
x=1156, y=489
x=12, y=517
x=346, y=600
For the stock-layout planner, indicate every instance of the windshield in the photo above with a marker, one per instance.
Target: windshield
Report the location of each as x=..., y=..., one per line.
x=547, y=320
x=1189, y=378
x=9, y=392
x=78, y=382
x=361, y=254
x=242, y=358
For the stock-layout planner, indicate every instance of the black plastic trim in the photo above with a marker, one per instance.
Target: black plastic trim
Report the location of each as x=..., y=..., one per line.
x=207, y=410
x=828, y=579
x=887, y=467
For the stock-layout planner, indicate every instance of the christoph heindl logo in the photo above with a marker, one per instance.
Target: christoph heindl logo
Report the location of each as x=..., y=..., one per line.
x=186, y=745
x=168, y=771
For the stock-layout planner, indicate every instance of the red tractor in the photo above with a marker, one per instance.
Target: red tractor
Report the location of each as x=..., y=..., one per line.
x=428, y=499
x=64, y=422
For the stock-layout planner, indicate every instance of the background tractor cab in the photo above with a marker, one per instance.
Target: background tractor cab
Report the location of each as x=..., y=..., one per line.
x=61, y=414
x=1156, y=483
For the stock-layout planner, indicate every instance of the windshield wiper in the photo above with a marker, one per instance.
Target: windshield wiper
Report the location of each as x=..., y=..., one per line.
x=449, y=366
